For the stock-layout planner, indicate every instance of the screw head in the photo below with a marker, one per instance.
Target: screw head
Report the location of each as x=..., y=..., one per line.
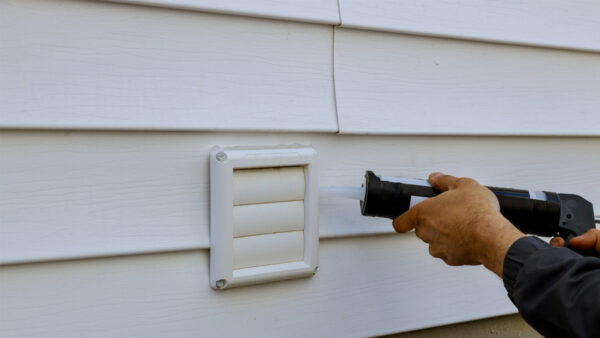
x=221, y=156
x=220, y=283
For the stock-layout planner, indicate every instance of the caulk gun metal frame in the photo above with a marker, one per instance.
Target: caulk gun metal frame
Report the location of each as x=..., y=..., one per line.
x=540, y=213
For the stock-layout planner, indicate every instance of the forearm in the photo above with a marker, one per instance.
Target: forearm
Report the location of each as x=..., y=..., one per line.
x=556, y=290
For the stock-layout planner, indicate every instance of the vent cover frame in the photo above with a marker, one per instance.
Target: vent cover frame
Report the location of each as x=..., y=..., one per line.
x=223, y=162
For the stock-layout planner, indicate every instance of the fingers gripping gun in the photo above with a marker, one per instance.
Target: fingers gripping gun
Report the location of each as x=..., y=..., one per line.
x=540, y=213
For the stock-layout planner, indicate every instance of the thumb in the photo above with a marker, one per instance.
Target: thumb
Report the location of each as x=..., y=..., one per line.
x=442, y=182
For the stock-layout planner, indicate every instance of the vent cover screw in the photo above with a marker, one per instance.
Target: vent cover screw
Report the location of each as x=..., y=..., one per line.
x=221, y=156
x=220, y=283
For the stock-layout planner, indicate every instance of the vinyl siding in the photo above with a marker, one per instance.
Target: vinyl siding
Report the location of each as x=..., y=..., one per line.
x=401, y=84
x=69, y=195
x=95, y=65
x=365, y=286
x=108, y=112
x=551, y=23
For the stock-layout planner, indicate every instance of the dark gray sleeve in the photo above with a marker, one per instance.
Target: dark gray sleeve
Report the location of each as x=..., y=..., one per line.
x=556, y=290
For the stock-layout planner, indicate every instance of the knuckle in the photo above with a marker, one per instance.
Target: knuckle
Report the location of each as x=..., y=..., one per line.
x=434, y=253
x=446, y=179
x=419, y=233
x=420, y=215
x=465, y=181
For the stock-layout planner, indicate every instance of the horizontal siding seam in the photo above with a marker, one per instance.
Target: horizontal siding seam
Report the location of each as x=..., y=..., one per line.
x=355, y=132
x=134, y=252
x=235, y=12
x=24, y=127
x=506, y=42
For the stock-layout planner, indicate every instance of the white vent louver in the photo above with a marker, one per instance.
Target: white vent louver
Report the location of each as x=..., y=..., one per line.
x=264, y=221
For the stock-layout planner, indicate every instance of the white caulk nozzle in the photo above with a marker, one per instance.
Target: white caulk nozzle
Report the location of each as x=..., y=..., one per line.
x=343, y=192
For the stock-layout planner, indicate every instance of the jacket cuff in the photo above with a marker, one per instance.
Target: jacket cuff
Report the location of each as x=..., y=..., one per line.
x=516, y=256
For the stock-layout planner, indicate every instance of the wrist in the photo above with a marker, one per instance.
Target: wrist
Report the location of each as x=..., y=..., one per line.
x=497, y=246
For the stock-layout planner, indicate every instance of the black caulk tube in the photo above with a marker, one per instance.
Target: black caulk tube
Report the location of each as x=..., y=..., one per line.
x=540, y=213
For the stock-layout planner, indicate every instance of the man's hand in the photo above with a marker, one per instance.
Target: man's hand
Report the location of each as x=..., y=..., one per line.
x=587, y=241
x=463, y=225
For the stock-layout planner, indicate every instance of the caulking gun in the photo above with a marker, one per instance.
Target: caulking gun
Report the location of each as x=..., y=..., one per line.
x=540, y=213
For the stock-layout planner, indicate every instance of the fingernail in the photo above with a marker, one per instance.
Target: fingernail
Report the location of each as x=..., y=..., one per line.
x=435, y=174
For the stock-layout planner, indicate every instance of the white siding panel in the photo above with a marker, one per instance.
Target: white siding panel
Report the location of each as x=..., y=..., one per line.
x=97, y=65
x=365, y=287
x=400, y=84
x=320, y=11
x=81, y=194
x=555, y=23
